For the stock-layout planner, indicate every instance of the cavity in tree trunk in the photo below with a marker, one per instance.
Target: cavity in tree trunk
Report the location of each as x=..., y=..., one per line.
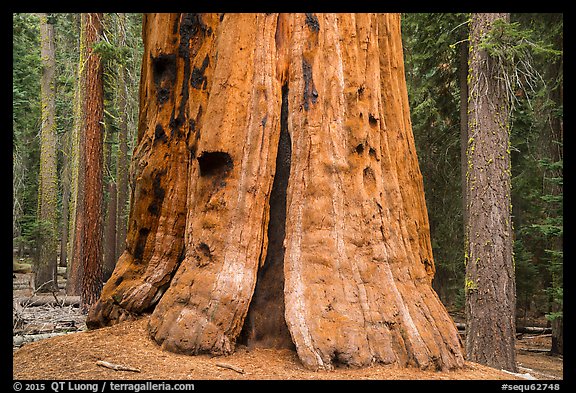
x=46, y=261
x=490, y=283
x=92, y=155
x=277, y=194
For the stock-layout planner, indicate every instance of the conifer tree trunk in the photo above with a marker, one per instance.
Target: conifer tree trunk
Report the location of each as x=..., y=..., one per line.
x=490, y=283
x=277, y=198
x=74, y=265
x=65, y=179
x=110, y=234
x=46, y=262
x=122, y=159
x=92, y=155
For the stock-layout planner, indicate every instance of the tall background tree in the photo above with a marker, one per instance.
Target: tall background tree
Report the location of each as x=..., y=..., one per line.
x=123, y=138
x=490, y=281
x=47, y=253
x=533, y=42
x=90, y=230
x=26, y=121
x=27, y=67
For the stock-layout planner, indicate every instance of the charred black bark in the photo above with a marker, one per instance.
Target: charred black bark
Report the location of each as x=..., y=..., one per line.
x=265, y=324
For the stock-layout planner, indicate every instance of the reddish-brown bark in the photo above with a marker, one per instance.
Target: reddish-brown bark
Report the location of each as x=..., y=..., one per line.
x=93, y=101
x=277, y=195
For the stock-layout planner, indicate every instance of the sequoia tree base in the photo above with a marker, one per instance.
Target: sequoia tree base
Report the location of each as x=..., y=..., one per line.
x=277, y=198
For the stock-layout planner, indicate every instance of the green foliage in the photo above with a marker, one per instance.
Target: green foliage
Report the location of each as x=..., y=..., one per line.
x=512, y=42
x=110, y=52
x=512, y=48
x=26, y=75
x=526, y=274
x=537, y=163
x=529, y=52
x=431, y=46
x=26, y=70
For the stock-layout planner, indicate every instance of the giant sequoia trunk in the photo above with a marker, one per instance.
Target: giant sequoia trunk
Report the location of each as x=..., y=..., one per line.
x=277, y=198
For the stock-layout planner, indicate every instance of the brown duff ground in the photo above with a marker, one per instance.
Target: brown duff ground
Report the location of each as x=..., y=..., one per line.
x=74, y=356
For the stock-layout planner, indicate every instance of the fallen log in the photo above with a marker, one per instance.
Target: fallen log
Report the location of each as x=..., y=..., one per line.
x=535, y=336
x=519, y=329
x=534, y=350
x=534, y=330
x=18, y=341
x=36, y=301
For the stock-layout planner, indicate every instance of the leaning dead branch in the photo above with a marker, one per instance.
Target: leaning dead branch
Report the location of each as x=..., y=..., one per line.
x=116, y=367
x=230, y=367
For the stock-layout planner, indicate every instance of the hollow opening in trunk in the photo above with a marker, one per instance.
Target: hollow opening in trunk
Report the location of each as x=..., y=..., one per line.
x=214, y=163
x=265, y=325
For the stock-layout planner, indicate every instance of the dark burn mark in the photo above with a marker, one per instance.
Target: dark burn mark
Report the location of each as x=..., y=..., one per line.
x=204, y=249
x=265, y=316
x=372, y=120
x=163, y=95
x=198, y=79
x=118, y=281
x=191, y=25
x=194, y=134
x=369, y=177
x=164, y=75
x=277, y=202
x=310, y=93
x=312, y=22
x=141, y=243
x=157, y=188
x=164, y=67
x=175, y=124
x=192, y=32
x=360, y=148
x=158, y=193
x=214, y=163
x=159, y=134
x=203, y=254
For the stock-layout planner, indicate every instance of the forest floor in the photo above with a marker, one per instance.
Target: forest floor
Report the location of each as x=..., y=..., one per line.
x=75, y=355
